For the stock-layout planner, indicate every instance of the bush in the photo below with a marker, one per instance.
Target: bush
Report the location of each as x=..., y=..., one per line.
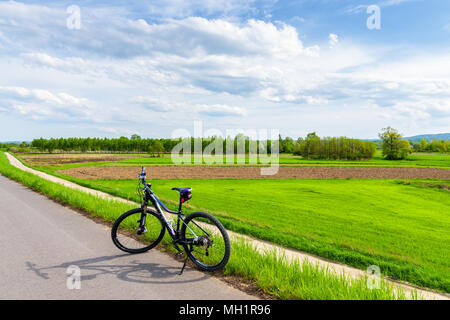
x=334, y=148
x=17, y=149
x=434, y=146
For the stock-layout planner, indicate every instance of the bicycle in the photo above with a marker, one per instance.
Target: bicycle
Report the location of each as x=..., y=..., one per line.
x=141, y=229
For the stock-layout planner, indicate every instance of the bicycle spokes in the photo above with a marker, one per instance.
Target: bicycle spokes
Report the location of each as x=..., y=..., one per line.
x=135, y=232
x=206, y=242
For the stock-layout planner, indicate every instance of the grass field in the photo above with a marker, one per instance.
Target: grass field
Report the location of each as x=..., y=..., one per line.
x=272, y=273
x=414, y=160
x=401, y=226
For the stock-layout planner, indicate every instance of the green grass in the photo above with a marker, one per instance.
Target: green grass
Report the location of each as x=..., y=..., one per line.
x=294, y=280
x=424, y=160
x=275, y=275
x=403, y=226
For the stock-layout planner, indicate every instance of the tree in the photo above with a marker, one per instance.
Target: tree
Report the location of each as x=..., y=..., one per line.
x=394, y=148
x=421, y=146
x=50, y=145
x=288, y=145
x=157, y=148
x=135, y=137
x=311, y=145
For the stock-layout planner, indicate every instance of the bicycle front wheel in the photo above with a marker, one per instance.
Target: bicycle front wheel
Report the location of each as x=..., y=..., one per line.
x=128, y=236
x=205, y=241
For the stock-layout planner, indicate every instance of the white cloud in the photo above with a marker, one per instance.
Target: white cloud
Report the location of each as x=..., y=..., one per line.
x=118, y=71
x=197, y=36
x=162, y=105
x=154, y=104
x=108, y=130
x=333, y=40
x=39, y=95
x=218, y=110
x=44, y=28
x=213, y=55
x=41, y=104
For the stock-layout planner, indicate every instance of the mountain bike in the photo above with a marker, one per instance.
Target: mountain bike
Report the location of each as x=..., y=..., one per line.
x=203, y=238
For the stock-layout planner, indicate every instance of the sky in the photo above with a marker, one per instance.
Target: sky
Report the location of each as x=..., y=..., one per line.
x=153, y=68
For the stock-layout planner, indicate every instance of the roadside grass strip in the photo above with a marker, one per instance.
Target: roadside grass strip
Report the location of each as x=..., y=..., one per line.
x=271, y=271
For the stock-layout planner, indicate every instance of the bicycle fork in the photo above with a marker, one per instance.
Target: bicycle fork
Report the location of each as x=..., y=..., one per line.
x=141, y=228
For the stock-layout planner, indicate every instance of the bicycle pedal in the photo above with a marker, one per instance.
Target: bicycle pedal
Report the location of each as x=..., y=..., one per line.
x=179, y=254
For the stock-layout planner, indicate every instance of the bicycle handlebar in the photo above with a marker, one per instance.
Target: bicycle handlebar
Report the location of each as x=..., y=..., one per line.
x=142, y=176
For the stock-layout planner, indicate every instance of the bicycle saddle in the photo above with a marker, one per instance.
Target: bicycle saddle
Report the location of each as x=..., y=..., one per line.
x=182, y=190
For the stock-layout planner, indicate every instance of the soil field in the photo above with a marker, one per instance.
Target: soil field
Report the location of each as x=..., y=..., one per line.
x=51, y=159
x=247, y=172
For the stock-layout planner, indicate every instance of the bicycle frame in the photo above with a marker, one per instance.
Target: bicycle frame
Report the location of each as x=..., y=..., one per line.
x=159, y=206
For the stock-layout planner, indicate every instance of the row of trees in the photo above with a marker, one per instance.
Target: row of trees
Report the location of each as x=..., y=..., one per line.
x=5, y=145
x=333, y=148
x=240, y=144
x=432, y=146
x=311, y=147
x=122, y=144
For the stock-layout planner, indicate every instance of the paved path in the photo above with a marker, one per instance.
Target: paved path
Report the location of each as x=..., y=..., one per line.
x=41, y=239
x=263, y=246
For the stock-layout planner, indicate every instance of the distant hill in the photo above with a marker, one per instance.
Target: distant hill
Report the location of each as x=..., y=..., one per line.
x=429, y=137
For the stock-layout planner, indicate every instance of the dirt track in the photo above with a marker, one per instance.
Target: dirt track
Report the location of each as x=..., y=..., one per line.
x=205, y=172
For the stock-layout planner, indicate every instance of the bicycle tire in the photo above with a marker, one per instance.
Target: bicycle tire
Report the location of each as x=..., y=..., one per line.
x=128, y=232
x=193, y=256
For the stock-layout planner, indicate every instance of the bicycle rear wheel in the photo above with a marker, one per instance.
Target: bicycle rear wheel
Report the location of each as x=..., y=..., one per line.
x=127, y=235
x=206, y=241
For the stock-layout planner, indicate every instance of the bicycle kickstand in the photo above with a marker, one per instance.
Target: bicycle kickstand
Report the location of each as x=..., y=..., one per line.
x=185, y=261
x=184, y=266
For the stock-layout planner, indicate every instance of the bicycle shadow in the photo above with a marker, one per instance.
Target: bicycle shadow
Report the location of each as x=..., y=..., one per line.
x=134, y=271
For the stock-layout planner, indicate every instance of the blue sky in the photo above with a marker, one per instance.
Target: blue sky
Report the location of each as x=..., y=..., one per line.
x=154, y=67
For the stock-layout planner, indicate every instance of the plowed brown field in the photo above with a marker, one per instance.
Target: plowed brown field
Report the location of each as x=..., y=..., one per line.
x=58, y=159
x=244, y=172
